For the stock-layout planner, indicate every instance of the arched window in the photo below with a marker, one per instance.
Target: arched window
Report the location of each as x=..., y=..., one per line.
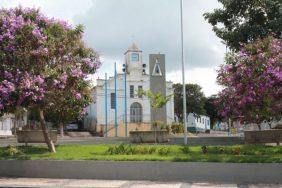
x=136, y=112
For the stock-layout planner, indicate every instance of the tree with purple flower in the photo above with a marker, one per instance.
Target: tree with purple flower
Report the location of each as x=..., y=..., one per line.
x=43, y=65
x=252, y=81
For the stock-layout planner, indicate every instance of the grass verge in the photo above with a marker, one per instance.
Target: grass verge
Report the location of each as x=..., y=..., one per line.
x=122, y=152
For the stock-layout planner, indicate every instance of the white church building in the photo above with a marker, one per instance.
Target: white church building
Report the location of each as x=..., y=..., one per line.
x=139, y=114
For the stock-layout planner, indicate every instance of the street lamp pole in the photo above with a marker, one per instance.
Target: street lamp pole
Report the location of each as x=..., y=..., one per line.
x=106, y=106
x=183, y=76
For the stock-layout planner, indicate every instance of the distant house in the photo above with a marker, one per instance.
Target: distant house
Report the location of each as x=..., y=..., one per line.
x=8, y=122
x=198, y=123
x=6, y=125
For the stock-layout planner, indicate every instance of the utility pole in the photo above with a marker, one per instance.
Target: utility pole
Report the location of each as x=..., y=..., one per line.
x=125, y=101
x=183, y=76
x=116, y=125
x=106, y=105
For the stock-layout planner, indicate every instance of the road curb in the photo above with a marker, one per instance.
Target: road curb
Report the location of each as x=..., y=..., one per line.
x=149, y=170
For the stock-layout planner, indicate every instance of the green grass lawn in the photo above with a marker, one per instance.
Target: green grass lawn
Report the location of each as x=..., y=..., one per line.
x=224, y=154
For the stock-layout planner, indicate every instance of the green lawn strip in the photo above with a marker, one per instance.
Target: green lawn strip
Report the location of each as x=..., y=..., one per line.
x=223, y=154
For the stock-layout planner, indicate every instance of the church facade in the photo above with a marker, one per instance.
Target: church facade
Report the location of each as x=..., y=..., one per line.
x=136, y=107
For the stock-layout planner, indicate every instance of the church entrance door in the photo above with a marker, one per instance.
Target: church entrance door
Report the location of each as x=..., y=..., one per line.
x=136, y=112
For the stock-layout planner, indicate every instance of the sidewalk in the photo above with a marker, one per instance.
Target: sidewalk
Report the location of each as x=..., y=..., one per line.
x=64, y=183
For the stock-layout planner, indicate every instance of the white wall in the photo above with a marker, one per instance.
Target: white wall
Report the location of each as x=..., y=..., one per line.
x=6, y=124
x=142, y=80
x=170, y=103
x=201, y=122
x=97, y=109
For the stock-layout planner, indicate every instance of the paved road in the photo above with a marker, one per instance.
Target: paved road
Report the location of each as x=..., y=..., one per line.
x=71, y=141
x=219, y=140
x=66, y=183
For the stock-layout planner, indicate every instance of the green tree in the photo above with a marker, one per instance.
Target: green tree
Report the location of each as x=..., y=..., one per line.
x=243, y=21
x=195, y=99
x=157, y=101
x=211, y=109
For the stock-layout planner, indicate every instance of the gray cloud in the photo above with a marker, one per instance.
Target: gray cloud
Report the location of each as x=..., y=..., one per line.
x=111, y=26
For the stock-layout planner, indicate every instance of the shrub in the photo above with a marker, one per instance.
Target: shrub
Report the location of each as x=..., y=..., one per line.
x=217, y=150
x=177, y=128
x=142, y=150
x=124, y=149
x=152, y=150
x=12, y=151
x=236, y=151
x=185, y=149
x=204, y=149
x=119, y=149
x=163, y=151
x=167, y=128
x=157, y=125
x=111, y=150
x=129, y=150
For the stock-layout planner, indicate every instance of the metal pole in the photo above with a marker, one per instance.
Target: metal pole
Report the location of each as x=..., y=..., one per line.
x=183, y=76
x=106, y=105
x=116, y=100
x=125, y=101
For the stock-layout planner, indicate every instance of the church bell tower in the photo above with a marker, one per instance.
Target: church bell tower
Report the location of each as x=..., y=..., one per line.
x=134, y=61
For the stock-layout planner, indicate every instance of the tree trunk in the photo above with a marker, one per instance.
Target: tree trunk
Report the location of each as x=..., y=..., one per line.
x=61, y=129
x=155, y=134
x=47, y=137
x=269, y=124
x=259, y=126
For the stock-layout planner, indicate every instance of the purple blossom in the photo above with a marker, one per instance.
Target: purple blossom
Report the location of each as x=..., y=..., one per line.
x=38, y=34
x=64, y=77
x=8, y=75
x=88, y=62
x=39, y=79
x=242, y=53
x=77, y=96
x=76, y=73
x=55, y=82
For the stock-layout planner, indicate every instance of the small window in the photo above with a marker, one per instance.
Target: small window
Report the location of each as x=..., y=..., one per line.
x=113, y=101
x=131, y=90
x=139, y=88
x=203, y=120
x=134, y=57
x=157, y=70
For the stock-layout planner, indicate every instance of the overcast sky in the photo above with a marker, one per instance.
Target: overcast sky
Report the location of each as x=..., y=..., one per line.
x=154, y=25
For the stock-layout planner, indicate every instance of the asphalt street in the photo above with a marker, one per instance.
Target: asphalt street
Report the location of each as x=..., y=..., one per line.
x=201, y=140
